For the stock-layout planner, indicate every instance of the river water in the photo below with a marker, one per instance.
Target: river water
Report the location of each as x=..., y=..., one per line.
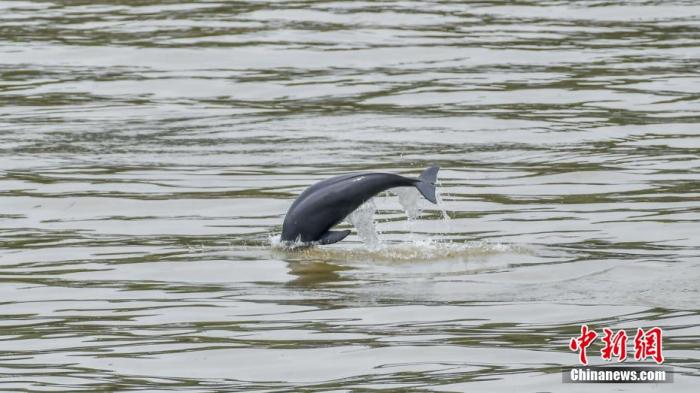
x=149, y=151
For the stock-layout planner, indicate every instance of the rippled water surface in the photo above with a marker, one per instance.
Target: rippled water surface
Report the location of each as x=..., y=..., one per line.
x=149, y=151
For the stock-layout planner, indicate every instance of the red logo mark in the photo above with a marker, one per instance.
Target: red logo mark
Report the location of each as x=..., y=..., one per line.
x=614, y=345
x=582, y=342
x=648, y=344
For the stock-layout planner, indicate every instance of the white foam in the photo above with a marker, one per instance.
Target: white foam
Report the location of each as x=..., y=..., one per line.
x=427, y=250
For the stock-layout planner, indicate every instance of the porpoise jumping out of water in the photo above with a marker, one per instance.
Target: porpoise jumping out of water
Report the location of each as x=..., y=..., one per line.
x=328, y=202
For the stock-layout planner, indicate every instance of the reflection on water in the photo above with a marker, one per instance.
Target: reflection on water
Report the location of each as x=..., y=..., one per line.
x=311, y=273
x=150, y=150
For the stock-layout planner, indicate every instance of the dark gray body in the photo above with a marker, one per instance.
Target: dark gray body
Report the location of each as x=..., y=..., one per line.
x=325, y=204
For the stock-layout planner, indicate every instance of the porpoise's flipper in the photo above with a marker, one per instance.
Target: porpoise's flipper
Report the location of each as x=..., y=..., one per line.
x=426, y=183
x=331, y=237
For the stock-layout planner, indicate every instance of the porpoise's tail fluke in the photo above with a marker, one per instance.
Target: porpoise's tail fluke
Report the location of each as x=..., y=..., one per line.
x=426, y=183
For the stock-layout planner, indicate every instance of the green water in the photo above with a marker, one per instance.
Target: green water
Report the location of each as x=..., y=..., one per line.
x=149, y=151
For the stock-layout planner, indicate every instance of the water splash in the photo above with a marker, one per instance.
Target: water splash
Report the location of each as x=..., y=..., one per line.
x=275, y=240
x=363, y=221
x=440, y=203
x=408, y=198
